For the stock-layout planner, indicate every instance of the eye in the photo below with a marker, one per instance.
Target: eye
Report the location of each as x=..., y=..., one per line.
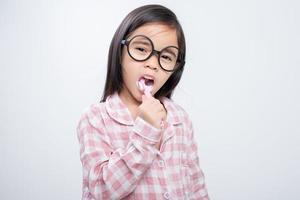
x=141, y=49
x=167, y=58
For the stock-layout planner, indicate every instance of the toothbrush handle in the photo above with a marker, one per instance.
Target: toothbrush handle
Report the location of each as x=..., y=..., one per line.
x=147, y=92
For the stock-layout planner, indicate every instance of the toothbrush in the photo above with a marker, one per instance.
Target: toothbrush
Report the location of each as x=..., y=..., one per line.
x=147, y=92
x=145, y=88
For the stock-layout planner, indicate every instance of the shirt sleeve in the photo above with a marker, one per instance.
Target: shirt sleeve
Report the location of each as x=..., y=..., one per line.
x=198, y=187
x=114, y=173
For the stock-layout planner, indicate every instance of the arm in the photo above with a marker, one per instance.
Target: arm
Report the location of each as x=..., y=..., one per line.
x=113, y=174
x=197, y=178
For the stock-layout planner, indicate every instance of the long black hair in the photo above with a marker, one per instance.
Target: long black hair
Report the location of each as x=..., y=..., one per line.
x=135, y=19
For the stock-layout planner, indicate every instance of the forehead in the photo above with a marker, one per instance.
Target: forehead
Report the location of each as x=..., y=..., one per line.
x=161, y=35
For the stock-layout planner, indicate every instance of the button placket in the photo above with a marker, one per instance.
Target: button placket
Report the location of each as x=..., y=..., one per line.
x=185, y=173
x=161, y=163
x=187, y=195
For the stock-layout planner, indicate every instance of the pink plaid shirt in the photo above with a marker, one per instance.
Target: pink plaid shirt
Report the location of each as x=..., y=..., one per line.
x=120, y=160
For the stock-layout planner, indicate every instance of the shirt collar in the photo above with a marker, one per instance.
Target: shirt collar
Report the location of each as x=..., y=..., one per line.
x=119, y=111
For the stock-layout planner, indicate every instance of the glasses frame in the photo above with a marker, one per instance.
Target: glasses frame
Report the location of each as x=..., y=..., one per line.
x=178, y=61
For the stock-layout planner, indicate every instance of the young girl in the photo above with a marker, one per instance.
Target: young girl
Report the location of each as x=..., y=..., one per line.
x=137, y=143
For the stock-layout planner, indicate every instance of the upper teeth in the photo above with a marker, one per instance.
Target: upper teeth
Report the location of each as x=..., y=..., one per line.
x=147, y=77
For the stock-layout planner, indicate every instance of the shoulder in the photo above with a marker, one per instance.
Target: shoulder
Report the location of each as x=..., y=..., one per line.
x=177, y=112
x=184, y=119
x=93, y=110
x=177, y=108
x=92, y=114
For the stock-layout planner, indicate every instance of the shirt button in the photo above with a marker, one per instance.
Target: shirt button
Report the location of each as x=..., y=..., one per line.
x=161, y=163
x=166, y=195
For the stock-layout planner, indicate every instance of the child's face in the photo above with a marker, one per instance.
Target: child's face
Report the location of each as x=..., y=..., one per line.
x=161, y=36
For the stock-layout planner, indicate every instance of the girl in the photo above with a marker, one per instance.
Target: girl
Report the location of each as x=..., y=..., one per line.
x=137, y=143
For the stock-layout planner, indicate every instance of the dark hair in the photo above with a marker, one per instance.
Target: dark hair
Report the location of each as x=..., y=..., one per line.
x=135, y=19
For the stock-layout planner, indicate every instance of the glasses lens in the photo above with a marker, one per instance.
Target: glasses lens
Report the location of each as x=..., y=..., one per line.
x=168, y=58
x=140, y=48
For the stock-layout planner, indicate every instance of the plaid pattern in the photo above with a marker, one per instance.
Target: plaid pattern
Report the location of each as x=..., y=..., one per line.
x=120, y=160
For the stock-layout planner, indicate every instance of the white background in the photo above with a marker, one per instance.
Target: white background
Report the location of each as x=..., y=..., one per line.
x=241, y=88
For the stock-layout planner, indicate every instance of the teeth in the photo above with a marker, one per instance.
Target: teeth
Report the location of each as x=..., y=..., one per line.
x=147, y=77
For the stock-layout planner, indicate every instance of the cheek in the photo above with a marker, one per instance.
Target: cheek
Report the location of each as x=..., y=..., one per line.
x=125, y=63
x=124, y=59
x=130, y=70
x=164, y=79
x=128, y=64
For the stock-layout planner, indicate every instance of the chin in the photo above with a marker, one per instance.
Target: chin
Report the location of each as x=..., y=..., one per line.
x=137, y=96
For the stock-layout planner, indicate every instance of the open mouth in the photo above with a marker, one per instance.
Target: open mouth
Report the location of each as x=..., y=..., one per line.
x=145, y=84
x=149, y=81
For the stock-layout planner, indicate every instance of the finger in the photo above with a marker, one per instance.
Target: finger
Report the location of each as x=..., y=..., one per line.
x=161, y=114
x=162, y=124
x=144, y=97
x=156, y=103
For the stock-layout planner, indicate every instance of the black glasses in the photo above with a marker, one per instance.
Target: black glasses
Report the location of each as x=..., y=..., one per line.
x=141, y=48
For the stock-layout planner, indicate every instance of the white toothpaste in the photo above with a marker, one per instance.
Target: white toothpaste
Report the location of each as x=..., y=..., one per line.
x=147, y=89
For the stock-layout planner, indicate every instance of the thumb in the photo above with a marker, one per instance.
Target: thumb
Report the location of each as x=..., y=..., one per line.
x=146, y=96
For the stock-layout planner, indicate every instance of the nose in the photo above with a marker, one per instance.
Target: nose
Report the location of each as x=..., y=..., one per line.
x=152, y=62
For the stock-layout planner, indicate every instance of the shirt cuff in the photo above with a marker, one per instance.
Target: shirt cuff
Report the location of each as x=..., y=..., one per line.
x=146, y=130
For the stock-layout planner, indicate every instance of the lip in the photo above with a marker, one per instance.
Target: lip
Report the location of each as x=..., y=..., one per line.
x=147, y=76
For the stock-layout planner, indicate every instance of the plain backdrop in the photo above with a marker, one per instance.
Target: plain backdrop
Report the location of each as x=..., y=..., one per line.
x=240, y=86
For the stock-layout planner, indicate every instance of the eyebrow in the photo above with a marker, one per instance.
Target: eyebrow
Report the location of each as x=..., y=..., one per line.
x=149, y=44
x=141, y=42
x=171, y=52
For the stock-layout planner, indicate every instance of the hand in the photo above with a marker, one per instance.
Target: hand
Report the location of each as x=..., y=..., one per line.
x=152, y=111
